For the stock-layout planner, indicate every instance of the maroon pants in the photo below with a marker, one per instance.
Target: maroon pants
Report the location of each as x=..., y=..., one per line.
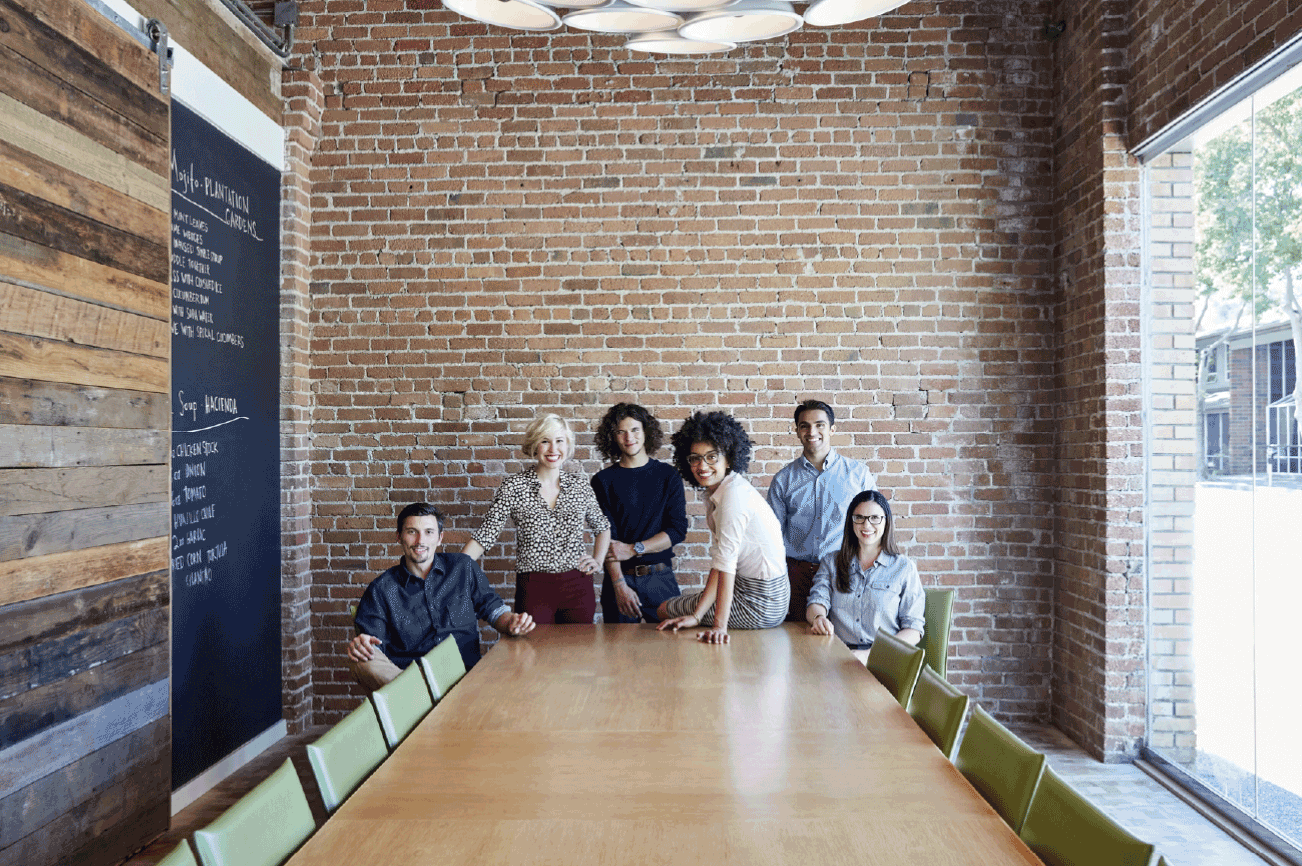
x=562, y=599
x=801, y=574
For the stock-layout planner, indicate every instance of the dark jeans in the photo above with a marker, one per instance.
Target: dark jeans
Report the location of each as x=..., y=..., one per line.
x=560, y=599
x=651, y=589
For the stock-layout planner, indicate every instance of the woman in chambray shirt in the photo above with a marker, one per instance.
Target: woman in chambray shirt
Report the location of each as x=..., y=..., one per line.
x=867, y=584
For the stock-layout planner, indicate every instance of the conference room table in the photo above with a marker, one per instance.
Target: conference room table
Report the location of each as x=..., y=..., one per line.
x=622, y=745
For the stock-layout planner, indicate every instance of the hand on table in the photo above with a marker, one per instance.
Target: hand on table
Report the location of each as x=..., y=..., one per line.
x=627, y=599
x=714, y=635
x=361, y=648
x=516, y=623
x=822, y=625
x=679, y=622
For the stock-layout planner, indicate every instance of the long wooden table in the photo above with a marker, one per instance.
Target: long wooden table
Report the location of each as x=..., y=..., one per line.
x=620, y=745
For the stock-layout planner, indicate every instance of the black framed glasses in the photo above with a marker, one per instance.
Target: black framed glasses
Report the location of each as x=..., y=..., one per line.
x=711, y=457
x=874, y=519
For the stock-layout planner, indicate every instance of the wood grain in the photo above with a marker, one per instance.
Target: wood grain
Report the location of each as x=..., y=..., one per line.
x=57, y=404
x=43, y=619
x=36, y=491
x=63, y=186
x=33, y=219
x=29, y=809
x=32, y=445
x=57, y=361
x=27, y=535
x=26, y=714
x=618, y=744
x=71, y=73
x=40, y=576
x=26, y=262
x=87, y=28
x=35, y=313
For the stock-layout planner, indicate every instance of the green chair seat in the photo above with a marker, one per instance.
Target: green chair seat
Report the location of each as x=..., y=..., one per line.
x=443, y=668
x=938, y=708
x=263, y=828
x=346, y=755
x=401, y=704
x=181, y=855
x=895, y=664
x=1065, y=829
x=1002, y=768
x=938, y=616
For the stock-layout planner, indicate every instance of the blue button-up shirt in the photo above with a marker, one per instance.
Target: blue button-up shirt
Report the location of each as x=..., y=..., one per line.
x=889, y=596
x=811, y=505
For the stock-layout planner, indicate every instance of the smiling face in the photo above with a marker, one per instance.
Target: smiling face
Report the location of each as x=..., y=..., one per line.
x=553, y=449
x=630, y=437
x=868, y=533
x=419, y=537
x=707, y=474
x=815, y=434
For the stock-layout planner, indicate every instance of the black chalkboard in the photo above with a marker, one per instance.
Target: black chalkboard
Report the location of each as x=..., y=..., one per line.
x=225, y=445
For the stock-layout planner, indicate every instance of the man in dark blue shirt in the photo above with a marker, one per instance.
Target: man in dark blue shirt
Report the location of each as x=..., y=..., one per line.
x=424, y=599
x=647, y=509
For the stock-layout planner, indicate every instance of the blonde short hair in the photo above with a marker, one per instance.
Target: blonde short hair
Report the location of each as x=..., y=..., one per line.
x=542, y=427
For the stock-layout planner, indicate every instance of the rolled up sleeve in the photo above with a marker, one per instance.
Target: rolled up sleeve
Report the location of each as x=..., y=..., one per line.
x=821, y=591
x=913, y=601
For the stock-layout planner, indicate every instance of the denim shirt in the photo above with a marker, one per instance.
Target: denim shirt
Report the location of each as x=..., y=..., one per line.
x=888, y=597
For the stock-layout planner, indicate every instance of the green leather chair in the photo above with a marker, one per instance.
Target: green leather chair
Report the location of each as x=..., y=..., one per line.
x=181, y=855
x=264, y=828
x=1065, y=829
x=1002, y=768
x=938, y=708
x=939, y=617
x=346, y=755
x=443, y=668
x=401, y=704
x=895, y=664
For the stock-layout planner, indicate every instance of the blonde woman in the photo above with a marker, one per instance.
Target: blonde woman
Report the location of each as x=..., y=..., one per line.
x=549, y=507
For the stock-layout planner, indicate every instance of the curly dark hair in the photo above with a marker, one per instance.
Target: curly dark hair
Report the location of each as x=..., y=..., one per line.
x=722, y=431
x=608, y=443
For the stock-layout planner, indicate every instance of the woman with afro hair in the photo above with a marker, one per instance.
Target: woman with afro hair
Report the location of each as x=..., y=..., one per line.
x=747, y=586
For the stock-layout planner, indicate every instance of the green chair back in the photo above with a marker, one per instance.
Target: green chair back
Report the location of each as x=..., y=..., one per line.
x=938, y=708
x=401, y=704
x=263, y=828
x=895, y=664
x=938, y=615
x=346, y=755
x=1065, y=829
x=442, y=667
x=181, y=855
x=1002, y=768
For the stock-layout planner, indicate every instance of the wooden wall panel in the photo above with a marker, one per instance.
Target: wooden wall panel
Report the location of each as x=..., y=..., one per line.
x=85, y=350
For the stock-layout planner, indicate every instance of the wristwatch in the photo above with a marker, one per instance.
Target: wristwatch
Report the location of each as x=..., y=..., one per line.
x=639, y=548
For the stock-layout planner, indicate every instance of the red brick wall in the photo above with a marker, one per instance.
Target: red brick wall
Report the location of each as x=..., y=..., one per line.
x=510, y=223
x=1098, y=646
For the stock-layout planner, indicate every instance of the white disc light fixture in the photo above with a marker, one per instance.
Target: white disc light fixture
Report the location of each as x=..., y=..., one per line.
x=830, y=13
x=683, y=5
x=672, y=43
x=621, y=17
x=516, y=14
x=745, y=21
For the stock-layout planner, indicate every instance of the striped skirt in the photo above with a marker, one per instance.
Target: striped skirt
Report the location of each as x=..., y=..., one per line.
x=756, y=603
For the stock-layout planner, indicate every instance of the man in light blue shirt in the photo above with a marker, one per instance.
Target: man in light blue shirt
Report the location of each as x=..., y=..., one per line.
x=809, y=496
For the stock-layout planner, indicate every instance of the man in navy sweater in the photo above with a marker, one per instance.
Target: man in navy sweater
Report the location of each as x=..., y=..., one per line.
x=647, y=509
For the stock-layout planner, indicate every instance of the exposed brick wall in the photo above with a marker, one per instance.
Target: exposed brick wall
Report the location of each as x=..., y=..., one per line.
x=507, y=223
x=1181, y=53
x=1098, y=646
x=304, y=101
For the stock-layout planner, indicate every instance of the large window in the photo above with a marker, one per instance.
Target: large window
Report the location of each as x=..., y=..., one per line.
x=1224, y=207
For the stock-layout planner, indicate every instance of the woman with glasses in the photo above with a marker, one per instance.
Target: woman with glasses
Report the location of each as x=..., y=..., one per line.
x=867, y=584
x=747, y=586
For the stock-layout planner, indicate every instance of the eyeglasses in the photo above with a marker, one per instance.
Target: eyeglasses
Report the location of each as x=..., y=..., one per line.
x=711, y=457
x=874, y=519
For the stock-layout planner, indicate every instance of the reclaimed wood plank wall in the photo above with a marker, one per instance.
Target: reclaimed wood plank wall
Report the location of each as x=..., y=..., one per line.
x=85, y=347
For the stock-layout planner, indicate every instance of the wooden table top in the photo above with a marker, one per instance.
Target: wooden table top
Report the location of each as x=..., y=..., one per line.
x=620, y=744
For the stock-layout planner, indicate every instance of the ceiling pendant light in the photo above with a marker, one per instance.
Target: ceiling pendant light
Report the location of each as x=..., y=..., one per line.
x=620, y=17
x=516, y=14
x=672, y=43
x=829, y=13
x=683, y=5
x=745, y=21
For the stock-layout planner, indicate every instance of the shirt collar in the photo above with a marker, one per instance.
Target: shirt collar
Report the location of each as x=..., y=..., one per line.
x=828, y=461
x=405, y=575
x=717, y=493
